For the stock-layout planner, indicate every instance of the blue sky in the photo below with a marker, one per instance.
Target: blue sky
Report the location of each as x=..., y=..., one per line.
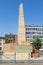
x=9, y=11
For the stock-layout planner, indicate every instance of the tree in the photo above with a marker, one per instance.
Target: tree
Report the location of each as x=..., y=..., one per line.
x=37, y=44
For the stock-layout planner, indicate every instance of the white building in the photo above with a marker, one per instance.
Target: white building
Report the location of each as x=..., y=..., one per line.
x=2, y=41
x=33, y=32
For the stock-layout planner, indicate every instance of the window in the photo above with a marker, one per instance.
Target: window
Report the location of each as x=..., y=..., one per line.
x=38, y=32
x=28, y=33
x=0, y=48
x=39, y=29
x=10, y=41
x=0, y=43
x=26, y=28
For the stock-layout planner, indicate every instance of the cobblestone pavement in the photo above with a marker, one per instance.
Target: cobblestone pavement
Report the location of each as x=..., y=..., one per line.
x=22, y=64
x=32, y=62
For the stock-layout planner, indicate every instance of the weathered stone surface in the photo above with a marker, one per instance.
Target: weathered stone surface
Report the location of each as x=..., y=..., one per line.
x=21, y=26
x=19, y=48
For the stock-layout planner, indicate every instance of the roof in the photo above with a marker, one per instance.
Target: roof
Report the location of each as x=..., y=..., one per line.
x=32, y=26
x=2, y=37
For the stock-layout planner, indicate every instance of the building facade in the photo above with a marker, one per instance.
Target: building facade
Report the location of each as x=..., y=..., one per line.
x=2, y=41
x=10, y=38
x=33, y=32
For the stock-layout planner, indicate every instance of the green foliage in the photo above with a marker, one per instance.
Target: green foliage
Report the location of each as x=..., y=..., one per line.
x=37, y=43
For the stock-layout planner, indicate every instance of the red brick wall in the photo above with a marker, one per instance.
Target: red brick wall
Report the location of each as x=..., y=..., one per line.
x=8, y=47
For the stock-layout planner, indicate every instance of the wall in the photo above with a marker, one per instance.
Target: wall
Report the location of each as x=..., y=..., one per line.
x=8, y=51
x=8, y=47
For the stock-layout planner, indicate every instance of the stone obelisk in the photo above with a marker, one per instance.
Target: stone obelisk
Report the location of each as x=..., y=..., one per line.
x=21, y=26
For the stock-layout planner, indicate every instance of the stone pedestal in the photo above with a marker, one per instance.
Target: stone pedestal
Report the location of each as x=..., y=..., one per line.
x=23, y=52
